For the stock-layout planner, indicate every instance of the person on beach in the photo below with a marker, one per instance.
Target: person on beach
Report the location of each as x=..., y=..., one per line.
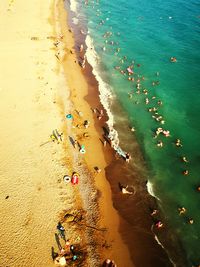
x=86, y=123
x=97, y=169
x=124, y=189
x=60, y=261
x=109, y=263
x=61, y=230
x=100, y=116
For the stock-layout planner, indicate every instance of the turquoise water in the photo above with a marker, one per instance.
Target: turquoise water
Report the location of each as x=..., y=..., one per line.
x=145, y=34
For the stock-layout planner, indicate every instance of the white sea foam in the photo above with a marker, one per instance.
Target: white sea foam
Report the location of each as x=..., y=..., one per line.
x=158, y=241
x=150, y=189
x=74, y=6
x=104, y=90
x=75, y=21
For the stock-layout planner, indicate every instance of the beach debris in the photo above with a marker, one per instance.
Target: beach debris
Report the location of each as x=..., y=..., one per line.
x=73, y=216
x=77, y=217
x=70, y=217
x=34, y=38
x=6, y=197
x=75, y=178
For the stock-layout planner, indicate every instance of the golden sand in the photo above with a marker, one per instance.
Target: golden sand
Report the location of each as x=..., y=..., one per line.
x=40, y=83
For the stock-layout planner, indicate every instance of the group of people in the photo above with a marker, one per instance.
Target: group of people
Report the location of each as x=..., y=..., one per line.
x=67, y=252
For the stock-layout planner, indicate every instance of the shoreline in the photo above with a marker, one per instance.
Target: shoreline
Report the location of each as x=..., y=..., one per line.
x=159, y=255
x=95, y=147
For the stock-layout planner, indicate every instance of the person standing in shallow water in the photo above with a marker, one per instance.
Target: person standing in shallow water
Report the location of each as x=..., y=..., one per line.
x=127, y=157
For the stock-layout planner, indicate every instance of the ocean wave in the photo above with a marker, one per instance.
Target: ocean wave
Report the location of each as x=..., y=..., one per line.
x=150, y=190
x=105, y=91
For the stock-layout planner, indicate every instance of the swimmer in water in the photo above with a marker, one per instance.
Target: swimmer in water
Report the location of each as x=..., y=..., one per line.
x=178, y=143
x=173, y=59
x=182, y=210
x=184, y=159
x=159, y=224
x=160, y=144
x=190, y=221
x=185, y=172
x=127, y=157
x=154, y=212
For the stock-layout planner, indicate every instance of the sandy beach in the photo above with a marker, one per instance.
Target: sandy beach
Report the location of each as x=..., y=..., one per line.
x=41, y=81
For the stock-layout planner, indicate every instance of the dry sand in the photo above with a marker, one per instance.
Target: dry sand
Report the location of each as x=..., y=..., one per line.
x=39, y=84
x=31, y=174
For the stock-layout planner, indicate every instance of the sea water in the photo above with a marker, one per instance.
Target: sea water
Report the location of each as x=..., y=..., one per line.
x=144, y=35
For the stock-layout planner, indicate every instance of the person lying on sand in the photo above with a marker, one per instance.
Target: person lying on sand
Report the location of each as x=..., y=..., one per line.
x=124, y=189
